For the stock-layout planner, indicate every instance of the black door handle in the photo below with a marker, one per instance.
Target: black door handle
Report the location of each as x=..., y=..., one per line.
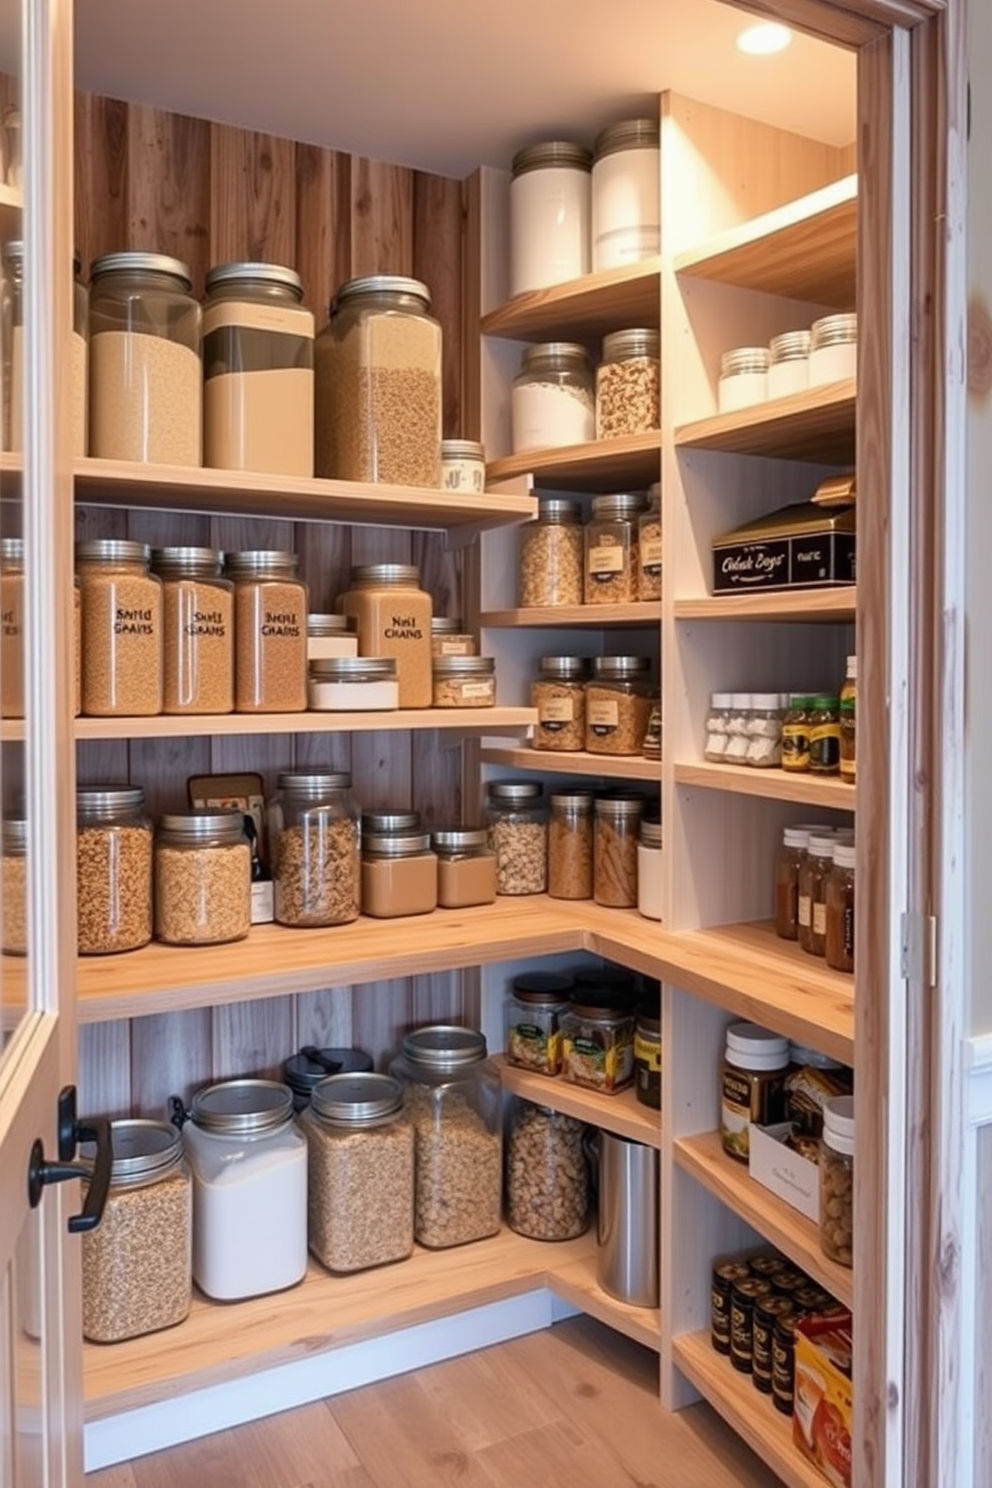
x=71, y=1133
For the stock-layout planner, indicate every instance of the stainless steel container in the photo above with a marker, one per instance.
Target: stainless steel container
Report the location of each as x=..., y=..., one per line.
x=628, y=1220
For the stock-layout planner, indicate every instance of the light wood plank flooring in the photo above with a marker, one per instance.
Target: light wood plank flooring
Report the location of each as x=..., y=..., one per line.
x=574, y=1406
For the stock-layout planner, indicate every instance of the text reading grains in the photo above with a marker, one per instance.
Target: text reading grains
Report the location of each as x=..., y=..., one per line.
x=459, y=1172
x=547, y=1185
x=360, y=1198
x=145, y=396
x=202, y=894
x=317, y=874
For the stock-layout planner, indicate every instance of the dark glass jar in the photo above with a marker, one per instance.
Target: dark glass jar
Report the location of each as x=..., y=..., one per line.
x=824, y=735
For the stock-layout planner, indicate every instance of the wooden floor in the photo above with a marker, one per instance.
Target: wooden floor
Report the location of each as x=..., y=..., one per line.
x=574, y=1406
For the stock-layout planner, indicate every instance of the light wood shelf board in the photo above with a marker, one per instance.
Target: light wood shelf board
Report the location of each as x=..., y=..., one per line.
x=805, y=250
x=583, y=309
x=556, y=762
x=750, y=1413
x=798, y=1237
x=575, y=1282
x=828, y=605
x=633, y=461
x=600, y=617
x=622, y=1113
x=817, y=425
x=773, y=785
x=166, y=726
x=11, y=210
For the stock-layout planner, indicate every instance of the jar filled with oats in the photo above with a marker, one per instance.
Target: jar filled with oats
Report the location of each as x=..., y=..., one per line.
x=14, y=886
x=121, y=611
x=551, y=555
x=464, y=682
x=314, y=841
x=558, y=692
x=202, y=877
x=393, y=615
x=11, y=627
x=615, y=841
x=619, y=700
x=198, y=630
x=612, y=562
x=547, y=1179
x=649, y=550
x=570, y=845
x=113, y=869
x=628, y=384
x=270, y=632
x=517, y=823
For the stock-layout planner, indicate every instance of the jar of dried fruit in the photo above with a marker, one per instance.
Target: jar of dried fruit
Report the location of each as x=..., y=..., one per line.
x=314, y=836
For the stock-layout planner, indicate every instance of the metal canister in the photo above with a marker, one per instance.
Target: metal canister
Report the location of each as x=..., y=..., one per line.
x=726, y=1274
x=767, y=1311
x=743, y=1297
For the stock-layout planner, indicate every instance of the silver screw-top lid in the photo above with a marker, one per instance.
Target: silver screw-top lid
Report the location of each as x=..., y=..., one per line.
x=143, y=1151
x=381, y=284
x=622, y=505
x=390, y=821
x=240, y=1107
x=455, y=839
x=313, y=785
x=352, y=668
x=386, y=573
x=565, y=668
x=573, y=800
x=620, y=806
x=105, y=803
x=556, y=351
x=112, y=550
x=12, y=554
x=442, y=626
x=443, y=1046
x=14, y=835
x=621, y=666
x=259, y=562
x=396, y=844
x=330, y=625
x=833, y=330
x=247, y=271
x=464, y=666
x=509, y=791
x=148, y=263
x=628, y=134
x=357, y=1099
x=790, y=346
x=650, y=832
x=222, y=826
x=462, y=449
x=742, y=359
x=558, y=509
x=548, y=154
x=187, y=563
x=620, y=346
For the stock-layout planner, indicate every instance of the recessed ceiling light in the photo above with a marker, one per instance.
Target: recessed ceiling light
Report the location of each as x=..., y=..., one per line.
x=763, y=39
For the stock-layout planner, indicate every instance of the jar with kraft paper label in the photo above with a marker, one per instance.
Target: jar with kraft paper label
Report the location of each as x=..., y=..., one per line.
x=558, y=693
x=619, y=700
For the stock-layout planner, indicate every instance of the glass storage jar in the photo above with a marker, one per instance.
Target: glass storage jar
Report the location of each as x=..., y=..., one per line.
x=378, y=385
x=795, y=734
x=813, y=871
x=249, y=1164
x=11, y=627
x=718, y=726
x=464, y=682
x=303, y=1071
x=533, y=1014
x=764, y=731
x=838, y=943
x=354, y=684
x=597, y=1045
x=399, y=874
x=755, y=1065
x=647, y=1058
x=330, y=637
x=393, y=614
x=790, y=860
x=558, y=692
x=517, y=824
x=360, y=1171
x=611, y=553
x=257, y=370
x=137, y=1274
x=788, y=364
x=547, y=1178
x=824, y=735
x=619, y=700
x=454, y=1100
x=449, y=638
x=626, y=194
x=391, y=823
x=13, y=340
x=80, y=361
x=198, y=630
x=649, y=548
x=833, y=349
x=466, y=867
x=649, y=869
x=145, y=368
x=202, y=873
x=628, y=384
x=570, y=845
x=615, y=840
x=553, y=403
x=551, y=555
x=113, y=869
x=738, y=728
x=270, y=632
x=848, y=706
x=14, y=886
x=463, y=467
x=549, y=215
x=121, y=612
x=314, y=836
x=743, y=378
x=837, y=1180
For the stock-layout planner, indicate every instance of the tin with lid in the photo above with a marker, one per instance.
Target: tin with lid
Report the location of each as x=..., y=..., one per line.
x=549, y=214
x=626, y=194
x=202, y=874
x=553, y=399
x=463, y=467
x=466, y=867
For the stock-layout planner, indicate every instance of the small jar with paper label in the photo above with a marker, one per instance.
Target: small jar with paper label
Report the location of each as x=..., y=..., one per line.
x=619, y=700
x=558, y=692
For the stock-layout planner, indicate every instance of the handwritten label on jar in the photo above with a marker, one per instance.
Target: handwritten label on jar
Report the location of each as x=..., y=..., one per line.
x=606, y=560
x=134, y=622
x=554, y=712
x=281, y=623
x=403, y=628
x=206, y=623
x=603, y=716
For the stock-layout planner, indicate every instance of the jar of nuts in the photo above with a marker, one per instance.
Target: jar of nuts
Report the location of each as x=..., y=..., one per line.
x=198, y=628
x=517, y=823
x=121, y=610
x=611, y=549
x=202, y=877
x=628, y=384
x=547, y=1179
x=619, y=700
x=314, y=837
x=113, y=869
x=837, y=1180
x=558, y=692
x=551, y=555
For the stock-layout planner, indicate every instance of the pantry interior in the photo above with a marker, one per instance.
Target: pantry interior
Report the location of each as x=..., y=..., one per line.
x=759, y=234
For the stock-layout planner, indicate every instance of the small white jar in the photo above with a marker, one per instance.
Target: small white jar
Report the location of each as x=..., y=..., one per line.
x=788, y=368
x=743, y=378
x=833, y=350
x=626, y=194
x=549, y=215
x=649, y=870
x=463, y=467
x=330, y=636
x=738, y=726
x=718, y=727
x=354, y=684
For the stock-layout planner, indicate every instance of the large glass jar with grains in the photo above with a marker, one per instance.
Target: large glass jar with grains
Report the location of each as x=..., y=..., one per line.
x=314, y=840
x=570, y=845
x=113, y=869
x=121, y=611
x=628, y=384
x=270, y=632
x=517, y=823
x=551, y=555
x=145, y=369
x=377, y=387
x=198, y=630
x=619, y=700
x=611, y=557
x=552, y=403
x=617, y=833
x=558, y=692
x=547, y=1179
x=202, y=877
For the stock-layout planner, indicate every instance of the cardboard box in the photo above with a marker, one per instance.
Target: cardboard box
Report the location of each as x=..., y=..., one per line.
x=795, y=1179
x=798, y=547
x=824, y=1396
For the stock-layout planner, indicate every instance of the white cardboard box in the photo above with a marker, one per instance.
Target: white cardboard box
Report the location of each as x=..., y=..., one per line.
x=777, y=1167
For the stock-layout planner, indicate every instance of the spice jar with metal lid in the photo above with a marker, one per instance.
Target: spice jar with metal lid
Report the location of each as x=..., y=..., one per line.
x=833, y=349
x=399, y=874
x=628, y=384
x=718, y=726
x=11, y=627
x=547, y=1176
x=553, y=403
x=755, y=1065
x=788, y=365
x=145, y=368
x=466, y=867
x=558, y=694
x=450, y=638
x=353, y=684
x=303, y=1071
x=824, y=735
x=743, y=378
x=764, y=731
x=848, y=704
x=813, y=873
x=121, y=612
x=463, y=467
x=570, y=845
x=202, y=871
x=838, y=943
x=626, y=193
x=270, y=629
x=314, y=836
x=611, y=550
x=360, y=1172
x=393, y=614
x=198, y=630
x=113, y=869
x=789, y=861
x=464, y=682
x=137, y=1275
x=377, y=393
x=649, y=548
x=257, y=370
x=14, y=885
x=549, y=214
x=249, y=1164
x=453, y=1095
x=837, y=1180
x=517, y=824
x=650, y=878
x=795, y=734
x=619, y=700
x=615, y=840
x=551, y=555
x=533, y=1014
x=597, y=1045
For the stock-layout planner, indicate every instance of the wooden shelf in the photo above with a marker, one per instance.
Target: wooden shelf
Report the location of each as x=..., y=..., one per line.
x=556, y=762
x=599, y=617
x=774, y=785
x=806, y=250
x=583, y=309
x=575, y=1282
x=207, y=725
x=750, y=1413
x=817, y=425
x=622, y=1113
x=630, y=463
x=11, y=208
x=794, y=1234
x=827, y=605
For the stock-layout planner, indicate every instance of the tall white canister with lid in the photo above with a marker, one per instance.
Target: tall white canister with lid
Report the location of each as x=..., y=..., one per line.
x=549, y=215
x=626, y=194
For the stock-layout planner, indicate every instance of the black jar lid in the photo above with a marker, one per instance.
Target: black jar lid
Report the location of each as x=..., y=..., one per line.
x=542, y=986
x=304, y=1070
x=609, y=987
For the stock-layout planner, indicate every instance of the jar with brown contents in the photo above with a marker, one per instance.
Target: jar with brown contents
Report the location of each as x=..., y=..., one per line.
x=113, y=869
x=202, y=877
x=612, y=561
x=517, y=824
x=464, y=682
x=570, y=845
x=813, y=871
x=198, y=616
x=597, y=1046
x=551, y=555
x=616, y=837
x=14, y=886
x=399, y=874
x=839, y=897
x=121, y=606
x=270, y=625
x=628, y=384
x=547, y=1180
x=619, y=700
x=466, y=867
x=393, y=615
x=314, y=835
x=649, y=548
x=837, y=1180
x=790, y=859
x=558, y=694
x=11, y=627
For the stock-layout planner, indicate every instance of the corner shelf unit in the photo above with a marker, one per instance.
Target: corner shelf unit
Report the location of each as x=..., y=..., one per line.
x=816, y=425
x=773, y=785
x=627, y=463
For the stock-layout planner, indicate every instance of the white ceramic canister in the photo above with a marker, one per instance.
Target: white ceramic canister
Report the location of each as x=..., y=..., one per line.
x=649, y=870
x=549, y=215
x=833, y=351
x=788, y=368
x=354, y=684
x=743, y=378
x=626, y=194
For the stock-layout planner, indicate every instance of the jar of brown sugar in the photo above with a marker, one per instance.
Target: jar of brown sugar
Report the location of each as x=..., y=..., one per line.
x=394, y=619
x=121, y=608
x=558, y=692
x=619, y=701
x=113, y=869
x=466, y=867
x=790, y=858
x=11, y=627
x=202, y=878
x=615, y=841
x=198, y=628
x=270, y=632
x=399, y=875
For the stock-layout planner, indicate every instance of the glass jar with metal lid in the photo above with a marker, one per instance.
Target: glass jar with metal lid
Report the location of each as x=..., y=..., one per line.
x=814, y=870
x=837, y=1180
x=121, y=613
x=547, y=1176
x=113, y=869
x=314, y=836
x=551, y=555
x=145, y=369
x=14, y=885
x=249, y=1164
x=788, y=364
x=570, y=845
x=612, y=563
x=628, y=384
x=753, y=1074
x=553, y=402
x=270, y=630
x=743, y=378
x=558, y=694
x=466, y=867
x=549, y=215
x=463, y=467
x=354, y=684
x=399, y=874
x=360, y=1165
x=202, y=869
x=626, y=194
x=257, y=370
x=303, y=1071
x=198, y=630
x=137, y=1274
x=11, y=627
x=464, y=682
x=532, y=1015
x=378, y=385
x=453, y=1096
x=517, y=824
x=330, y=636
x=615, y=840
x=833, y=349
x=619, y=700
x=388, y=823
x=597, y=1044
x=649, y=547
x=650, y=878
x=393, y=614
x=450, y=638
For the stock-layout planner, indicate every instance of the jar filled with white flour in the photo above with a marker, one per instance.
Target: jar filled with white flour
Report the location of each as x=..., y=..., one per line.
x=553, y=402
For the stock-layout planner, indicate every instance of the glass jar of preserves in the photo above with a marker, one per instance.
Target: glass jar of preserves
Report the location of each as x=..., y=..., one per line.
x=137, y=1275
x=202, y=870
x=393, y=614
x=650, y=878
x=848, y=706
x=549, y=214
x=14, y=885
x=450, y=638
x=558, y=692
x=619, y=700
x=649, y=548
x=453, y=1096
x=547, y=1178
x=838, y=945
x=764, y=731
x=597, y=1044
x=813, y=872
x=837, y=1180
x=615, y=840
x=466, y=867
x=517, y=824
x=145, y=370
x=795, y=734
x=789, y=862
x=378, y=385
x=121, y=611
x=11, y=627
x=360, y=1172
x=463, y=467
x=553, y=402
x=755, y=1065
x=570, y=845
x=533, y=1014
x=611, y=551
x=399, y=874
x=833, y=349
x=270, y=630
x=551, y=555
x=626, y=194
x=824, y=735
x=314, y=836
x=113, y=869
x=628, y=384
x=198, y=630
x=743, y=378
x=463, y=682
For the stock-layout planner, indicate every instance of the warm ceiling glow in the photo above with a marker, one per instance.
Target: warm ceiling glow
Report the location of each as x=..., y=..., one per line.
x=764, y=39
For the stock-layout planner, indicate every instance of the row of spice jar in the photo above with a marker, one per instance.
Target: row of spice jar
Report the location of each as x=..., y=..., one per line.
x=799, y=732
x=601, y=704
x=791, y=363
x=615, y=558
x=815, y=892
x=558, y=400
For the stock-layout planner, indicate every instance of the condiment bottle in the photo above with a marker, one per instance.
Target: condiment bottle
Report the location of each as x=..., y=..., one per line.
x=848, y=711
x=839, y=931
x=790, y=859
x=399, y=875
x=755, y=1065
x=824, y=734
x=394, y=619
x=466, y=867
x=743, y=1297
x=812, y=896
x=837, y=1180
x=795, y=734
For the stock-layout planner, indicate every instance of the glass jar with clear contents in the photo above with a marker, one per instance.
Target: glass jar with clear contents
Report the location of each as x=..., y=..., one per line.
x=113, y=869
x=649, y=548
x=551, y=555
x=466, y=867
x=270, y=630
x=314, y=836
x=547, y=1180
x=399, y=875
x=558, y=694
x=517, y=824
x=198, y=630
x=738, y=726
x=570, y=845
x=202, y=869
x=628, y=384
x=619, y=700
x=533, y=1013
x=121, y=610
x=553, y=402
x=612, y=563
